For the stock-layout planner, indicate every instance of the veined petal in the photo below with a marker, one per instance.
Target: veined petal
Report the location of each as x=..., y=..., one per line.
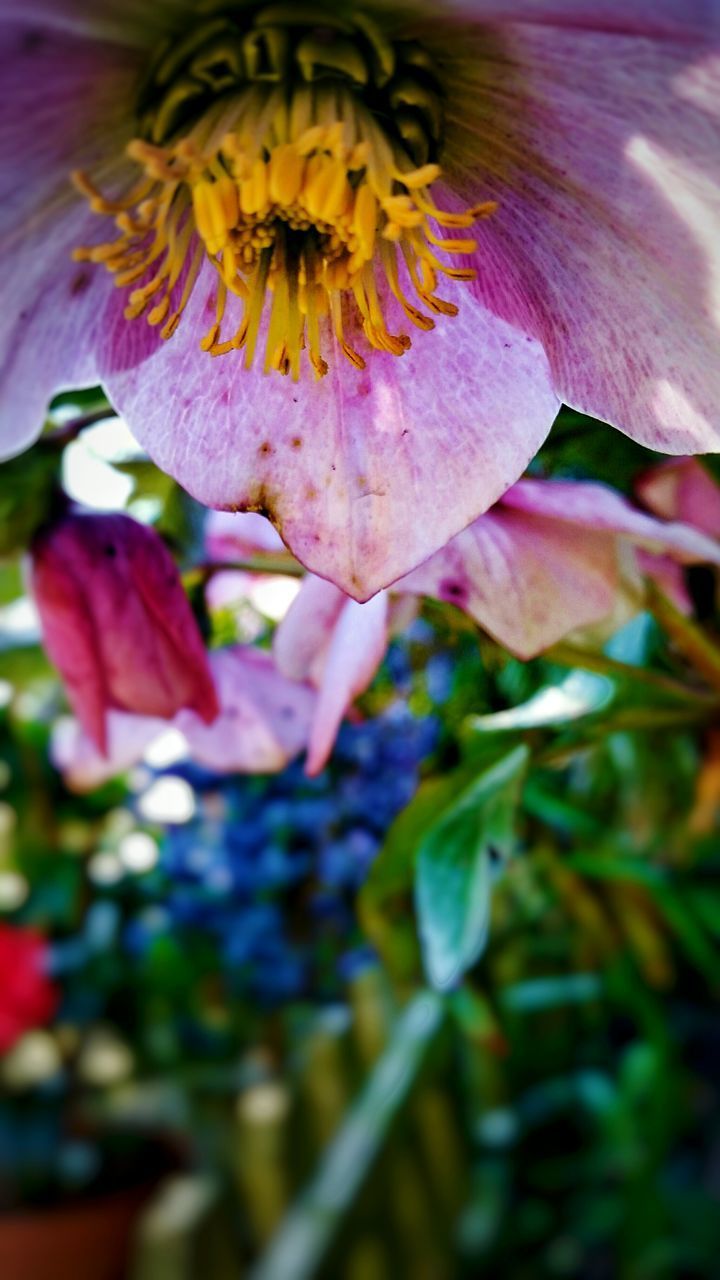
x=135, y=23
x=602, y=149
x=64, y=101
x=344, y=466
x=683, y=19
x=594, y=506
x=524, y=578
x=356, y=649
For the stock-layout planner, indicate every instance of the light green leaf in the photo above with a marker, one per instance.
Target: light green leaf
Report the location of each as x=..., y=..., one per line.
x=453, y=877
x=580, y=694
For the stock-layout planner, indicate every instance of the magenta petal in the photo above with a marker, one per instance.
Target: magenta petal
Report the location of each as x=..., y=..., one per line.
x=364, y=474
x=264, y=720
x=594, y=506
x=356, y=649
x=683, y=490
x=525, y=579
x=116, y=621
x=603, y=151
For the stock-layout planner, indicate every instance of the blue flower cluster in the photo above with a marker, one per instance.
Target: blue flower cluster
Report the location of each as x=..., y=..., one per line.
x=268, y=868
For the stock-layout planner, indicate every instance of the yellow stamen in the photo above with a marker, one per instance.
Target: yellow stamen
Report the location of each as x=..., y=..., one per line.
x=300, y=198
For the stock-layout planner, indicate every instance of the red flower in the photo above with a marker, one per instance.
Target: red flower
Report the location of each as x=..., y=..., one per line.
x=27, y=996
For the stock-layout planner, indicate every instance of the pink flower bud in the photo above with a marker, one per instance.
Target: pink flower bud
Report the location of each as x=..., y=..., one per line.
x=27, y=996
x=116, y=622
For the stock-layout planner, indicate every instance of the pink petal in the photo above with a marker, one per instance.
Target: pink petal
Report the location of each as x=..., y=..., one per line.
x=357, y=648
x=682, y=490
x=65, y=105
x=594, y=506
x=364, y=474
x=81, y=764
x=679, y=18
x=235, y=535
x=126, y=22
x=669, y=576
x=526, y=579
x=305, y=632
x=264, y=720
x=603, y=151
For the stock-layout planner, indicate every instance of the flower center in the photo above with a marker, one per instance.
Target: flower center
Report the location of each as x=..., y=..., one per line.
x=295, y=151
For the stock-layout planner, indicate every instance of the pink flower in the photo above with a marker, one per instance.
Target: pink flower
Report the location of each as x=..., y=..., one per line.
x=549, y=558
x=27, y=996
x=116, y=622
x=682, y=490
x=274, y=196
x=264, y=722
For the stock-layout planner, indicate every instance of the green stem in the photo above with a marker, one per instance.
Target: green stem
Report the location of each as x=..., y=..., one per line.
x=303, y=1239
x=567, y=655
x=61, y=436
x=693, y=643
x=202, y=573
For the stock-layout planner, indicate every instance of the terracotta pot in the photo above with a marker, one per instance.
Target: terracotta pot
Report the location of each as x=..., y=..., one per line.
x=90, y=1240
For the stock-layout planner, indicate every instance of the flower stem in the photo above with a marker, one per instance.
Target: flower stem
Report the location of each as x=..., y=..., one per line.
x=567, y=655
x=202, y=573
x=693, y=643
x=61, y=436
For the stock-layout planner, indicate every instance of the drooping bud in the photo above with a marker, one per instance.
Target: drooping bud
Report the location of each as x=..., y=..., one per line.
x=116, y=621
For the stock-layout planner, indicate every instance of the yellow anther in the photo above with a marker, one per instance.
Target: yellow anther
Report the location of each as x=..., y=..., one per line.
x=287, y=168
x=401, y=209
x=313, y=139
x=329, y=194
x=201, y=198
x=418, y=178
x=297, y=201
x=365, y=219
x=254, y=190
x=158, y=313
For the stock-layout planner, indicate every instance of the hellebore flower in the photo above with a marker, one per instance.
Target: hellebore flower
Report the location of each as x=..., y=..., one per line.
x=264, y=722
x=528, y=188
x=116, y=621
x=27, y=996
x=551, y=557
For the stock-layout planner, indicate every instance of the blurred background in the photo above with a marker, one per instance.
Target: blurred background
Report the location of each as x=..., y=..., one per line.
x=218, y=1053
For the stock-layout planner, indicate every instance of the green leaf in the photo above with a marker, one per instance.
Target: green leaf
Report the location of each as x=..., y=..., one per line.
x=453, y=877
x=393, y=870
x=580, y=694
x=27, y=488
x=11, y=583
x=539, y=994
